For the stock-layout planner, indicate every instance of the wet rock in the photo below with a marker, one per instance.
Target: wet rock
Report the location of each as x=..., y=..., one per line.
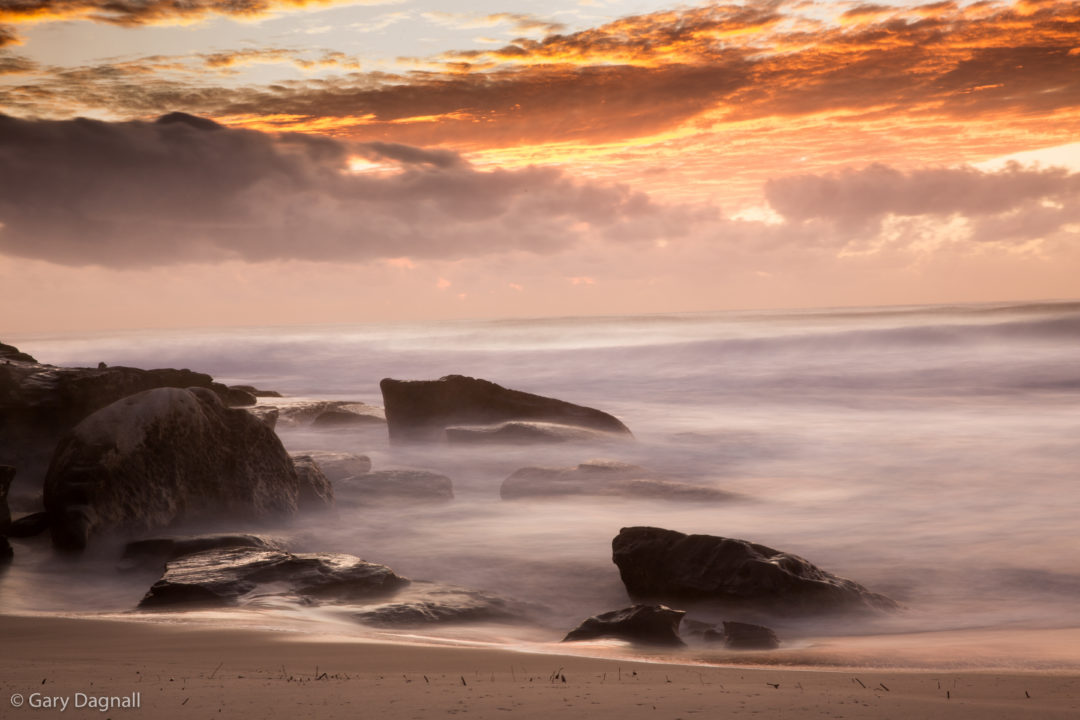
x=316, y=492
x=29, y=525
x=743, y=636
x=395, y=486
x=424, y=409
x=644, y=624
x=268, y=416
x=604, y=477
x=337, y=417
x=524, y=433
x=298, y=414
x=255, y=392
x=337, y=465
x=669, y=566
x=10, y=352
x=7, y=475
x=161, y=456
x=229, y=576
x=161, y=549
x=6, y=553
x=429, y=604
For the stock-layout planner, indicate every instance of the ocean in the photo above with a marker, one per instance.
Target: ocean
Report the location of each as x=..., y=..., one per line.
x=931, y=453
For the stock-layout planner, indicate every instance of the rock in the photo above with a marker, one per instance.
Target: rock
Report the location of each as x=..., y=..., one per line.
x=524, y=433
x=6, y=553
x=395, y=485
x=268, y=416
x=29, y=525
x=252, y=390
x=423, y=409
x=645, y=624
x=235, y=397
x=39, y=403
x=339, y=417
x=743, y=636
x=316, y=492
x=604, y=477
x=225, y=576
x=10, y=352
x=161, y=549
x=665, y=565
x=161, y=456
x=336, y=465
x=7, y=475
x=428, y=604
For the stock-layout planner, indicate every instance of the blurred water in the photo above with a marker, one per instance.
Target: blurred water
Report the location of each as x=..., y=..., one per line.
x=931, y=453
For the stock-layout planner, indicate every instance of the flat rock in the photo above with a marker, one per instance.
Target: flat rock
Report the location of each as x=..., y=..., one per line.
x=643, y=624
x=316, y=492
x=424, y=409
x=669, y=566
x=743, y=636
x=162, y=456
x=430, y=604
x=230, y=576
x=604, y=477
x=395, y=486
x=337, y=465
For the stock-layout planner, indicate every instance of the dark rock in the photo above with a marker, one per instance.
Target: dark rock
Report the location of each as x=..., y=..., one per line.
x=268, y=416
x=428, y=604
x=644, y=624
x=161, y=456
x=6, y=553
x=252, y=390
x=7, y=475
x=170, y=548
x=336, y=465
x=423, y=409
x=665, y=565
x=743, y=636
x=518, y=432
x=225, y=576
x=10, y=352
x=316, y=492
x=235, y=397
x=29, y=525
x=337, y=417
x=604, y=477
x=395, y=485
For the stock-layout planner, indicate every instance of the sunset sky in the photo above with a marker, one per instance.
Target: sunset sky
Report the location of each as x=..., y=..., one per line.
x=255, y=162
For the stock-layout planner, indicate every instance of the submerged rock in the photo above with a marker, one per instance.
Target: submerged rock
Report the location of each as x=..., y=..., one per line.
x=337, y=465
x=316, y=492
x=424, y=409
x=395, y=485
x=665, y=565
x=604, y=477
x=164, y=455
x=225, y=576
x=644, y=624
x=518, y=432
x=429, y=604
x=743, y=636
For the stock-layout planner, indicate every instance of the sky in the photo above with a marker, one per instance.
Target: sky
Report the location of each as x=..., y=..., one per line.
x=264, y=162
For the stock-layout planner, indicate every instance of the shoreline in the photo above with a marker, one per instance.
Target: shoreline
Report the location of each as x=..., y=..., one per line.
x=186, y=671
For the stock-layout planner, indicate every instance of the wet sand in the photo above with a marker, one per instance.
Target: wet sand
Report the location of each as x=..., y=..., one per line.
x=181, y=671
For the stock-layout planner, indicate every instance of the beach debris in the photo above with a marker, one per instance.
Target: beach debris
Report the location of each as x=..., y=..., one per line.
x=644, y=624
x=658, y=565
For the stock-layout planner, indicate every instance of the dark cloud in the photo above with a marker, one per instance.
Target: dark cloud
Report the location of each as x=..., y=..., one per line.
x=84, y=192
x=1015, y=203
x=8, y=36
x=142, y=12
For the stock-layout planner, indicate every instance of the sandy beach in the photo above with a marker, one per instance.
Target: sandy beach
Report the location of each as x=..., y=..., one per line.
x=184, y=672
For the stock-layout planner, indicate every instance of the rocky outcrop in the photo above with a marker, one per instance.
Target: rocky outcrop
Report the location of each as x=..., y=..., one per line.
x=229, y=576
x=399, y=486
x=604, y=477
x=743, y=636
x=525, y=433
x=424, y=409
x=39, y=403
x=430, y=604
x=255, y=392
x=323, y=414
x=643, y=624
x=161, y=456
x=337, y=465
x=669, y=566
x=315, y=492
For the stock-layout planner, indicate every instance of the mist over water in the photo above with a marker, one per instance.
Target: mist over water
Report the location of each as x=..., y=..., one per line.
x=929, y=453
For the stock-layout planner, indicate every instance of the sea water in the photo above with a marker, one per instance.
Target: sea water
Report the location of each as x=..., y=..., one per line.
x=931, y=453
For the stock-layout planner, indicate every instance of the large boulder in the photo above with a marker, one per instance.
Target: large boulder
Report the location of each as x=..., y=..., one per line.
x=644, y=624
x=669, y=566
x=161, y=456
x=395, y=486
x=39, y=403
x=423, y=409
x=229, y=576
x=604, y=477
